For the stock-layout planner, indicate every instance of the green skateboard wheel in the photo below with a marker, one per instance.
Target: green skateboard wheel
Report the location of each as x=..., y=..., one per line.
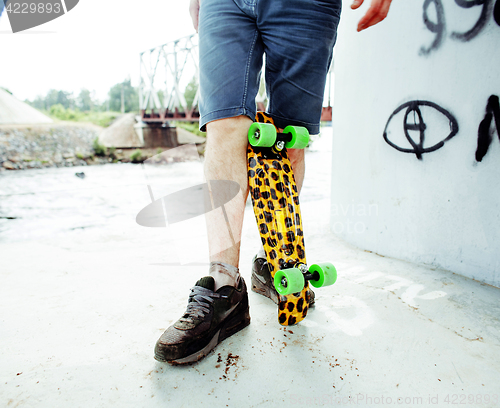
x=300, y=137
x=262, y=134
x=326, y=274
x=288, y=281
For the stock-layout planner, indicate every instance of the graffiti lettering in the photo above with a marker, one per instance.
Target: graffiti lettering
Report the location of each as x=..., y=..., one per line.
x=483, y=18
x=438, y=27
x=418, y=124
x=484, y=136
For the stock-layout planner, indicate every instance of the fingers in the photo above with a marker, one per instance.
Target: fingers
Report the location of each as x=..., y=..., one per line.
x=375, y=14
x=356, y=3
x=194, y=11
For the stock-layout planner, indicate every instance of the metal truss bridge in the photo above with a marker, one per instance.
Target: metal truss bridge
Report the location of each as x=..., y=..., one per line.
x=168, y=71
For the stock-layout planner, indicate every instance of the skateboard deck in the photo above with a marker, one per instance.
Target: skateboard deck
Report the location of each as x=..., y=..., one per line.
x=275, y=199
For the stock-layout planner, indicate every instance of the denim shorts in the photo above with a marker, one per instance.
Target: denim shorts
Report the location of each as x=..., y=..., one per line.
x=297, y=38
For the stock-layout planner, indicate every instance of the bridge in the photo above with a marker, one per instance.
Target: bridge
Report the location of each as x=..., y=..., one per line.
x=171, y=69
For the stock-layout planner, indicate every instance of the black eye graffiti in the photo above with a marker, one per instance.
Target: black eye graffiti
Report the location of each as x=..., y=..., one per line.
x=414, y=112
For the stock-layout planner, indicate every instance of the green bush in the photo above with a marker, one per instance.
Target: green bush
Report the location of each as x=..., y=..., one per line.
x=111, y=152
x=136, y=157
x=58, y=111
x=99, y=149
x=103, y=119
x=191, y=127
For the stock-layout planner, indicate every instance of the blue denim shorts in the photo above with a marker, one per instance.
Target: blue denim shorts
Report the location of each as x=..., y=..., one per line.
x=297, y=38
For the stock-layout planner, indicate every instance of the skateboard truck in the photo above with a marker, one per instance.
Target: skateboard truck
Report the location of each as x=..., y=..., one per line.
x=293, y=280
x=280, y=141
x=265, y=135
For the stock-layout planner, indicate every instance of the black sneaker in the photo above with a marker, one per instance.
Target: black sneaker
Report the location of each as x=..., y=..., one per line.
x=262, y=282
x=210, y=318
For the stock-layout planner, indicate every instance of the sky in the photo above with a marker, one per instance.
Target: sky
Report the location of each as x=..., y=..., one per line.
x=95, y=46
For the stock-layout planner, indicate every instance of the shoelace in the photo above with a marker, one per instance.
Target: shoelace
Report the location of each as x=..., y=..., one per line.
x=199, y=302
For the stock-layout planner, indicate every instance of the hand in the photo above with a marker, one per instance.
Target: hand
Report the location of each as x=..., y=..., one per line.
x=375, y=14
x=194, y=10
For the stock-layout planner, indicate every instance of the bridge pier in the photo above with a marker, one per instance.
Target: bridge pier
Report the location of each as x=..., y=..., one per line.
x=157, y=135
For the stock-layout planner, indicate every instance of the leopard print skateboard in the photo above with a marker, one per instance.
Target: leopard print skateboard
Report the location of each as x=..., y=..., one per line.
x=275, y=199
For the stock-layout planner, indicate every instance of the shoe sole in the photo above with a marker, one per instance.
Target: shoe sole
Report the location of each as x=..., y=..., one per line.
x=262, y=289
x=234, y=324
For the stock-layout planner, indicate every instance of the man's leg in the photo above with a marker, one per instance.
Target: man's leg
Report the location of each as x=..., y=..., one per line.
x=226, y=159
x=297, y=161
x=230, y=62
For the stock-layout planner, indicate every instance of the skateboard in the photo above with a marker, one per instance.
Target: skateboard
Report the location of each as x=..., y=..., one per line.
x=275, y=200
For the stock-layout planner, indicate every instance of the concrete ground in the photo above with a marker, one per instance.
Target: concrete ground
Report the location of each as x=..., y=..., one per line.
x=85, y=292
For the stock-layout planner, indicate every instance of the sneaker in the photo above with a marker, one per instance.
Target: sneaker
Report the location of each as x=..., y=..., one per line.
x=210, y=318
x=263, y=283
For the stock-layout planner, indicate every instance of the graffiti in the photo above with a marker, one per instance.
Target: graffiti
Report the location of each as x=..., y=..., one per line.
x=481, y=22
x=352, y=315
x=484, y=136
x=414, y=112
x=438, y=27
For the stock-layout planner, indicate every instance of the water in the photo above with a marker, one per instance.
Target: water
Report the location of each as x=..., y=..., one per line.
x=37, y=204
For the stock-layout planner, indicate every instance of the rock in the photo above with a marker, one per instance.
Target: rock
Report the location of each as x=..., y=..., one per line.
x=8, y=165
x=58, y=158
x=68, y=156
x=35, y=164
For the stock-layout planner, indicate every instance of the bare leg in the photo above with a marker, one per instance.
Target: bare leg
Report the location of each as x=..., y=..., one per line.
x=296, y=157
x=225, y=159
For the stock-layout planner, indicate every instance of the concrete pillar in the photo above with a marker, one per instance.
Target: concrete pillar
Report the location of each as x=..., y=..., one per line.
x=159, y=136
x=416, y=98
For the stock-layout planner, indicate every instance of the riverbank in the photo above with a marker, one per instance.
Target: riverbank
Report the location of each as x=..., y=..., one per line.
x=47, y=145
x=64, y=144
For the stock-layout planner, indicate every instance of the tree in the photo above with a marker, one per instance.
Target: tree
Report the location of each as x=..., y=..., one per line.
x=58, y=97
x=190, y=92
x=38, y=103
x=84, y=101
x=130, y=97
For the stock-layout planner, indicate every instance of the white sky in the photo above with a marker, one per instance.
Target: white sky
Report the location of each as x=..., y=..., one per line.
x=94, y=46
